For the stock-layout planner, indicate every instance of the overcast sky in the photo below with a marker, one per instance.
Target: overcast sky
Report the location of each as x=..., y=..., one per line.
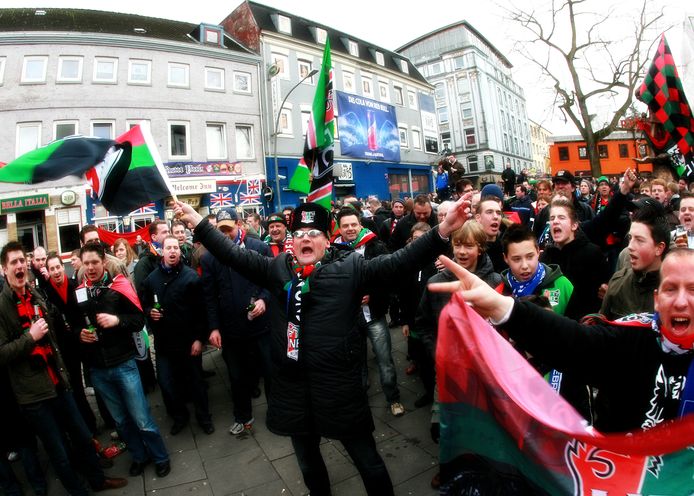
x=392, y=23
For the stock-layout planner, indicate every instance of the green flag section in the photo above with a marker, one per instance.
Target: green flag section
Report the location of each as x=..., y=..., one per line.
x=124, y=174
x=505, y=431
x=314, y=174
x=662, y=91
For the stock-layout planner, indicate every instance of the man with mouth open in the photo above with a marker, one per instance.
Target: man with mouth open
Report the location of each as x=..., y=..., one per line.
x=317, y=350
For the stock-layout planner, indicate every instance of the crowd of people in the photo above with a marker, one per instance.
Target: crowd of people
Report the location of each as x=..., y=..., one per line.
x=292, y=299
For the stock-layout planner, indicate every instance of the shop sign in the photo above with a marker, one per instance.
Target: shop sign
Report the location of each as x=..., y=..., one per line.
x=23, y=204
x=194, y=187
x=68, y=197
x=192, y=200
x=343, y=172
x=188, y=169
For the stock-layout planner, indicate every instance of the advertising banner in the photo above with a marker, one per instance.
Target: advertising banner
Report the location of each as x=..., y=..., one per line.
x=368, y=129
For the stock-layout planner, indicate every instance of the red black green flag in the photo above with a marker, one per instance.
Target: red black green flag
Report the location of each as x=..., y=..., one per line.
x=662, y=91
x=504, y=430
x=124, y=174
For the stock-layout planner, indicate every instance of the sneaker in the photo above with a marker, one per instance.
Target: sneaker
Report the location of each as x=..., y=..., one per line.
x=12, y=456
x=239, y=427
x=397, y=409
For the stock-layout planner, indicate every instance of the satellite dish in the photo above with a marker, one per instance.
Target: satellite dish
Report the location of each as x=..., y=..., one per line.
x=273, y=70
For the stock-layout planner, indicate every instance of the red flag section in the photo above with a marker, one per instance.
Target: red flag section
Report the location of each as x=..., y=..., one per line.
x=497, y=412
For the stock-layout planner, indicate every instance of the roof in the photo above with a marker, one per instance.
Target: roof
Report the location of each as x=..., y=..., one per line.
x=467, y=26
x=301, y=31
x=97, y=21
x=575, y=138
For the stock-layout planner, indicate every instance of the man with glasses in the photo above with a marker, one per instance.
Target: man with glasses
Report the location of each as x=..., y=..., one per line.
x=317, y=350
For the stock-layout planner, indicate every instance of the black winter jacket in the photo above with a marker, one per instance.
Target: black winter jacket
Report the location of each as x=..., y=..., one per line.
x=322, y=393
x=379, y=295
x=402, y=230
x=179, y=293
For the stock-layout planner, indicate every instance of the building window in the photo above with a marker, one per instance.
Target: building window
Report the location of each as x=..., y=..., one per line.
x=472, y=163
x=440, y=91
x=321, y=36
x=285, y=122
x=216, y=141
x=212, y=36
x=623, y=150
x=132, y=123
x=102, y=129
x=179, y=75
x=139, y=71
x=68, y=220
x=179, y=139
x=62, y=129
x=353, y=48
x=244, y=142
x=403, y=136
x=398, y=96
x=105, y=70
x=214, y=78
x=416, y=139
x=242, y=82
x=466, y=111
x=602, y=151
x=404, y=67
x=284, y=24
x=69, y=69
x=470, y=137
x=431, y=144
x=383, y=91
x=305, y=117
x=34, y=69
x=435, y=68
x=367, y=85
x=412, y=99
x=443, y=114
x=582, y=152
x=563, y=153
x=380, y=60
x=28, y=137
x=2, y=70
x=348, y=81
x=305, y=68
x=282, y=63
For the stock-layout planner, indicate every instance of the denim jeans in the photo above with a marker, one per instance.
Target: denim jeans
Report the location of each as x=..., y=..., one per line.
x=379, y=334
x=243, y=359
x=362, y=450
x=50, y=419
x=121, y=390
x=179, y=373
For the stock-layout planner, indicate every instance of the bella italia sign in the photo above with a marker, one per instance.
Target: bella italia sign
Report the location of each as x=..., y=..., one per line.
x=23, y=204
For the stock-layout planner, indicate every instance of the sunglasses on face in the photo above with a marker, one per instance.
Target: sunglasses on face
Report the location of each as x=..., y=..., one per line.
x=311, y=233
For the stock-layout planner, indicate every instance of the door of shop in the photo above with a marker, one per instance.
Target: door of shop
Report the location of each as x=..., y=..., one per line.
x=31, y=229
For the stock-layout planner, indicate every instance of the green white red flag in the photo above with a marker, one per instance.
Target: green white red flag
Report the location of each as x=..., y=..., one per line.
x=314, y=173
x=500, y=417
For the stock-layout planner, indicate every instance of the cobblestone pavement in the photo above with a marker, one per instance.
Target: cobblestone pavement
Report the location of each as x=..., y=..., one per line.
x=261, y=463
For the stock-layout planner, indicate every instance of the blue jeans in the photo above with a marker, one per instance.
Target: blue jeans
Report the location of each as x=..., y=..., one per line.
x=379, y=334
x=361, y=449
x=50, y=419
x=121, y=389
x=179, y=373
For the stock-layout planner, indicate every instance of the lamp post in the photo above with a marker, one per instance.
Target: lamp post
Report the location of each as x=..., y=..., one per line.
x=274, y=136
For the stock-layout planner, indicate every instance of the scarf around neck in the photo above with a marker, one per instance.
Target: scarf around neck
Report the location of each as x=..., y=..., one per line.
x=528, y=287
x=29, y=309
x=296, y=288
x=364, y=236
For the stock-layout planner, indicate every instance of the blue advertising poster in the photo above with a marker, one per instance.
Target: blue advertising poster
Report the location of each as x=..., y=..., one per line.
x=367, y=128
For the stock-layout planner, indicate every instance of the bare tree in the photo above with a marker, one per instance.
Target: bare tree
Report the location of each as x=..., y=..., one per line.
x=584, y=65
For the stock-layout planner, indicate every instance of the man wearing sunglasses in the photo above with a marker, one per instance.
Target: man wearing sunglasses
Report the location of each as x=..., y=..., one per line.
x=317, y=350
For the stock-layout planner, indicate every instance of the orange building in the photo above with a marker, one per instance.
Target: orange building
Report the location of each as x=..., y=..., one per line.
x=617, y=152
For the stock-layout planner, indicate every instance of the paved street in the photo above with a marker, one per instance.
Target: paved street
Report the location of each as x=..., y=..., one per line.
x=261, y=463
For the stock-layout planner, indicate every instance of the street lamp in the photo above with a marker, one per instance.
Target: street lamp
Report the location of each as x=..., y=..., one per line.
x=274, y=136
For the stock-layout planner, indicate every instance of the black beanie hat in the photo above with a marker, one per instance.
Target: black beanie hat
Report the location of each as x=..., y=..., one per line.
x=311, y=215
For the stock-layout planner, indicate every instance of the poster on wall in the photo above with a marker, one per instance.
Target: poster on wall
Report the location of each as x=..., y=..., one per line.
x=368, y=128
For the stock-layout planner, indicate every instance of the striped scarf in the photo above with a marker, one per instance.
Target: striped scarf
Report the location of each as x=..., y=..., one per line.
x=42, y=351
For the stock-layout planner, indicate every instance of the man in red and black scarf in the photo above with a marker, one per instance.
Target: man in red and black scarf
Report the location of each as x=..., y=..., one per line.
x=278, y=239
x=29, y=351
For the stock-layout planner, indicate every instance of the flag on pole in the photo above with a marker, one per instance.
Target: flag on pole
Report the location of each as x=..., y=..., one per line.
x=124, y=174
x=505, y=430
x=314, y=174
x=662, y=91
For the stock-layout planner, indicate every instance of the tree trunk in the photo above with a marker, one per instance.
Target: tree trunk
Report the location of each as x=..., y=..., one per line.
x=593, y=155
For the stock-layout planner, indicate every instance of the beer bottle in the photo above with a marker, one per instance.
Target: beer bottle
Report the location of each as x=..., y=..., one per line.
x=157, y=305
x=91, y=328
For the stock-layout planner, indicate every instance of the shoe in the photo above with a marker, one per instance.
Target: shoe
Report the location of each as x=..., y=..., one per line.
x=207, y=428
x=136, y=468
x=162, y=469
x=397, y=409
x=423, y=401
x=436, y=481
x=239, y=427
x=12, y=456
x=111, y=483
x=411, y=369
x=177, y=427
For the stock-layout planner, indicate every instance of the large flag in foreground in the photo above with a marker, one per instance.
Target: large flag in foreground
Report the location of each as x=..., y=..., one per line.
x=501, y=417
x=124, y=174
x=320, y=137
x=662, y=91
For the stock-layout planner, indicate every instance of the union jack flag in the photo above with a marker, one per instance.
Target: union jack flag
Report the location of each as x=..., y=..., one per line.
x=252, y=194
x=221, y=200
x=150, y=208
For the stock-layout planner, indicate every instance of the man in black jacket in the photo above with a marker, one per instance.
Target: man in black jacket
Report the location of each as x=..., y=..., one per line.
x=317, y=350
x=177, y=318
x=372, y=319
x=237, y=321
x=421, y=212
x=114, y=313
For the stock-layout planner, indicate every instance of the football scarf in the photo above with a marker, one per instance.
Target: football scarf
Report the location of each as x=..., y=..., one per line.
x=42, y=348
x=296, y=289
x=362, y=238
x=526, y=288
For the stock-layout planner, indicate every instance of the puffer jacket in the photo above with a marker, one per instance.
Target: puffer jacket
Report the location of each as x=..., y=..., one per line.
x=321, y=392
